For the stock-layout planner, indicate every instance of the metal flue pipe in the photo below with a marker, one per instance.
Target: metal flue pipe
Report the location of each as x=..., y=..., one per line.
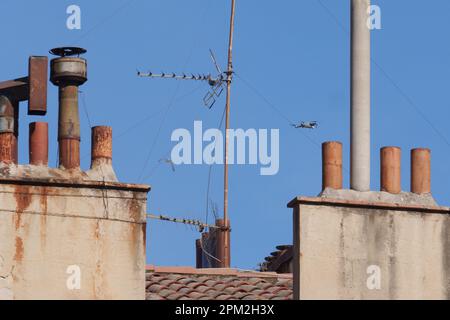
x=38, y=143
x=8, y=130
x=68, y=73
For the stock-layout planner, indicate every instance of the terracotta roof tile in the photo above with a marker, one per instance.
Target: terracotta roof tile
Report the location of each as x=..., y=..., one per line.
x=264, y=285
x=154, y=288
x=216, y=284
x=254, y=280
x=164, y=293
x=176, y=286
x=175, y=296
x=220, y=286
x=211, y=283
x=186, y=290
x=202, y=288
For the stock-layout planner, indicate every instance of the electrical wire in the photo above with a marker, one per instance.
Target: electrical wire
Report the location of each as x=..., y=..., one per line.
x=208, y=255
x=153, y=115
x=116, y=12
x=161, y=125
x=86, y=112
x=210, y=170
x=104, y=190
x=273, y=107
x=169, y=106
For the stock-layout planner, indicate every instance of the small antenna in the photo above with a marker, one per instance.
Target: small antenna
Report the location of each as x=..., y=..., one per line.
x=213, y=57
x=169, y=162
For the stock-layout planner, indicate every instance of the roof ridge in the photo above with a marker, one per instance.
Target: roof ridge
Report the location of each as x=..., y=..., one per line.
x=216, y=272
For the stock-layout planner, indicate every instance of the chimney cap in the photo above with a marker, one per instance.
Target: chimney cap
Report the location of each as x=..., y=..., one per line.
x=68, y=51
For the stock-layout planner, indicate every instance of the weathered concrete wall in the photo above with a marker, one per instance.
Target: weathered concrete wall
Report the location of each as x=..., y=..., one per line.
x=48, y=226
x=336, y=242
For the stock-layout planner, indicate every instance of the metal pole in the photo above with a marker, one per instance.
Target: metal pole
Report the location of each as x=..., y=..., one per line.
x=360, y=97
x=226, y=239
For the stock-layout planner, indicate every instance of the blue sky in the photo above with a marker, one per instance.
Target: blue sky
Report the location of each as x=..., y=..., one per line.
x=292, y=51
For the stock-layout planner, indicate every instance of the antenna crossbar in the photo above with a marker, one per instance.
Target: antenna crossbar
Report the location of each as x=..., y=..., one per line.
x=200, y=77
x=192, y=222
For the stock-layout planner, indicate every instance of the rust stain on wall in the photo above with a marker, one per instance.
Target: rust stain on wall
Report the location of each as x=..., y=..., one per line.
x=23, y=197
x=144, y=233
x=43, y=217
x=18, y=256
x=23, y=201
x=134, y=208
x=97, y=232
x=134, y=237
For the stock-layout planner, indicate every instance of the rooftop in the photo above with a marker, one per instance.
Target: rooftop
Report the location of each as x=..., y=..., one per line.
x=186, y=283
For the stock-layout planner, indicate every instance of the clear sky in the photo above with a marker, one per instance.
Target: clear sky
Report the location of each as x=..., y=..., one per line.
x=296, y=53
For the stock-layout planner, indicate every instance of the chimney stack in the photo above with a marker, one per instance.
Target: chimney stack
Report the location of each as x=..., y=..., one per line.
x=198, y=254
x=332, y=165
x=32, y=88
x=8, y=140
x=390, y=162
x=38, y=143
x=360, y=96
x=68, y=73
x=421, y=171
x=101, y=145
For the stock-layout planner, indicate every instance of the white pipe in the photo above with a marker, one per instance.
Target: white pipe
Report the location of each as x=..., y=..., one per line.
x=360, y=96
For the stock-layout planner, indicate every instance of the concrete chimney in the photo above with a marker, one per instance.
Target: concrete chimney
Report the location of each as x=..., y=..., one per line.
x=38, y=143
x=332, y=165
x=360, y=96
x=68, y=73
x=421, y=171
x=390, y=162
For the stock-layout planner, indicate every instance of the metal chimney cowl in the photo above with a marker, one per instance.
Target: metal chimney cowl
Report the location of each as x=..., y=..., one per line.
x=68, y=73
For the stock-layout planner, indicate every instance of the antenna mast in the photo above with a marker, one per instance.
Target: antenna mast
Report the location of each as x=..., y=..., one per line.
x=217, y=84
x=225, y=261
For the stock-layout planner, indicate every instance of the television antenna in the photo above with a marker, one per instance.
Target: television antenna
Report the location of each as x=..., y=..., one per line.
x=218, y=84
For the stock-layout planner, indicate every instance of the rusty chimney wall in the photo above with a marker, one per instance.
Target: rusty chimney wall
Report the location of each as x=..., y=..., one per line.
x=360, y=97
x=101, y=145
x=332, y=165
x=68, y=74
x=390, y=171
x=421, y=171
x=8, y=130
x=38, y=143
x=198, y=254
